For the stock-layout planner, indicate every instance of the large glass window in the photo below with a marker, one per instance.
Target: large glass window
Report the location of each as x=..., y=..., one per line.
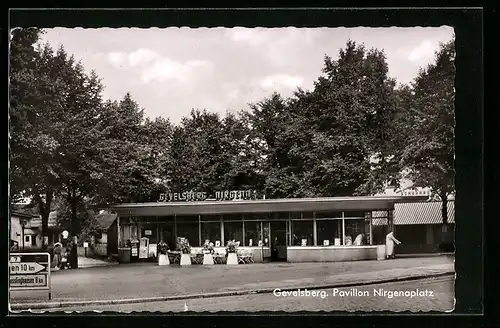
x=167, y=233
x=233, y=231
x=252, y=233
x=210, y=231
x=232, y=217
x=357, y=232
x=188, y=227
x=302, y=233
x=329, y=232
x=280, y=216
x=329, y=215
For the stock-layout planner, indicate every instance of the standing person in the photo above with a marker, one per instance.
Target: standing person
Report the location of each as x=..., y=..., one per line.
x=73, y=254
x=358, y=241
x=56, y=261
x=389, y=244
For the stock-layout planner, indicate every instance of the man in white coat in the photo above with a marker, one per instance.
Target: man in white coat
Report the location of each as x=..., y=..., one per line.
x=389, y=244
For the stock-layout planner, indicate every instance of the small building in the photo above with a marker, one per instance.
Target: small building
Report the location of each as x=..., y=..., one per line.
x=22, y=237
x=105, y=240
x=419, y=226
x=302, y=230
x=26, y=230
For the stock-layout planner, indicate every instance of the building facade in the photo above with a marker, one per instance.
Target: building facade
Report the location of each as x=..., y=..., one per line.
x=316, y=229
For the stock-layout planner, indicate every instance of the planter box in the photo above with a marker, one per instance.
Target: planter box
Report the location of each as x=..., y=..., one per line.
x=232, y=259
x=185, y=259
x=381, y=252
x=208, y=259
x=163, y=259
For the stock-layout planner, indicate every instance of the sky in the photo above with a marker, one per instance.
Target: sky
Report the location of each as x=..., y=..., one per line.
x=170, y=71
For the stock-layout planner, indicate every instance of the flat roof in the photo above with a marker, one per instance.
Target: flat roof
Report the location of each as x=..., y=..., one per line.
x=357, y=203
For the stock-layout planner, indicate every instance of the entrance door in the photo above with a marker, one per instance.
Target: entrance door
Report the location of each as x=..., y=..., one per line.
x=278, y=242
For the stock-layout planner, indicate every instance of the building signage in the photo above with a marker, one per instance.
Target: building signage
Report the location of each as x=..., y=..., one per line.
x=201, y=196
x=29, y=271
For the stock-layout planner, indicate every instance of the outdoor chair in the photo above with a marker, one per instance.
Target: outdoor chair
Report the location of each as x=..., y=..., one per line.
x=174, y=257
x=220, y=258
x=196, y=258
x=245, y=257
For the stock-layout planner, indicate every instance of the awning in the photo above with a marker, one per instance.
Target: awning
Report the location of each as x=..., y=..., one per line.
x=363, y=203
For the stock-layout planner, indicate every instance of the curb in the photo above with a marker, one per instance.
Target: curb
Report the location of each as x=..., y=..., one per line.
x=64, y=304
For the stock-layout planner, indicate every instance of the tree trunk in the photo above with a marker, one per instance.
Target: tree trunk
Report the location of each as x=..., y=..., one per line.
x=75, y=226
x=44, y=209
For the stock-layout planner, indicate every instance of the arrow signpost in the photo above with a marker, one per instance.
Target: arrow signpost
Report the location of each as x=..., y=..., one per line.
x=29, y=271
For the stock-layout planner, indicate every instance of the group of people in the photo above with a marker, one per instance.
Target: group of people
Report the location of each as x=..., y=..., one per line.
x=63, y=254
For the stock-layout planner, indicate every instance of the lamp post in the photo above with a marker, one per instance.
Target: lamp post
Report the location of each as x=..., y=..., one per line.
x=23, y=223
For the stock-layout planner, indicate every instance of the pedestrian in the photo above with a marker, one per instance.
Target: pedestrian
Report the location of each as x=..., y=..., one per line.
x=389, y=245
x=57, y=259
x=358, y=241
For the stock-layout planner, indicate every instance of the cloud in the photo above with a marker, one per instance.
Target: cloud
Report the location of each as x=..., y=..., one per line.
x=253, y=36
x=142, y=56
x=289, y=81
x=168, y=69
x=117, y=59
x=423, y=51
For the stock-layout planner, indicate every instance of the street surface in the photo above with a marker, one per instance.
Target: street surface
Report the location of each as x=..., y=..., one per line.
x=442, y=299
x=151, y=280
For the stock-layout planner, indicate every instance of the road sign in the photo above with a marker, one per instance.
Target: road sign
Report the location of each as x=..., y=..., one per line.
x=37, y=280
x=26, y=268
x=29, y=271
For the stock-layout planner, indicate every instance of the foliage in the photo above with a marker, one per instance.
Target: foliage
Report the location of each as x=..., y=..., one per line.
x=32, y=145
x=208, y=247
x=353, y=133
x=232, y=246
x=162, y=248
x=429, y=149
x=183, y=246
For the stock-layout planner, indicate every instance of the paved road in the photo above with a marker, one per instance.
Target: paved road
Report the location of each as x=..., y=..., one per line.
x=442, y=299
x=151, y=280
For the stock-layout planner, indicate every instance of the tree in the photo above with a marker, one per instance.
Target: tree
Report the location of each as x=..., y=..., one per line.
x=341, y=132
x=429, y=154
x=32, y=145
x=268, y=120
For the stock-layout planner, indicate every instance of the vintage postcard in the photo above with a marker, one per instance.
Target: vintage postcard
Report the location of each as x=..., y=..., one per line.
x=232, y=169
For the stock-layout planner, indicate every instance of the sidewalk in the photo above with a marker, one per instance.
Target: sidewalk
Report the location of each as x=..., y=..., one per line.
x=86, y=262
x=148, y=281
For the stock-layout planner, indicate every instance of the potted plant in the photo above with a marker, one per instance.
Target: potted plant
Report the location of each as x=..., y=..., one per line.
x=208, y=251
x=185, y=249
x=231, y=248
x=163, y=253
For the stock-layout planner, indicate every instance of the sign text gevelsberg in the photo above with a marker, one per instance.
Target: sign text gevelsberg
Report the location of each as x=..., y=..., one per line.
x=201, y=196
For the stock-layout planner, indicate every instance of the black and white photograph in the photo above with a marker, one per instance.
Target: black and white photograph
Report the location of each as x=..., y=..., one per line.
x=233, y=169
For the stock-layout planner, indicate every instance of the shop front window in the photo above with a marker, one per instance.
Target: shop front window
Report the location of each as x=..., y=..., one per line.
x=252, y=233
x=302, y=233
x=357, y=232
x=233, y=231
x=188, y=227
x=329, y=232
x=210, y=231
